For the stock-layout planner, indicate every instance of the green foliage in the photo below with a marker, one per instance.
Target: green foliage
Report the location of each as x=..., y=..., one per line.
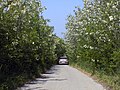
x=93, y=36
x=60, y=48
x=26, y=40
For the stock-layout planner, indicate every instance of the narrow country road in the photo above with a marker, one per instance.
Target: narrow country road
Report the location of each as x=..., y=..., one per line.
x=63, y=77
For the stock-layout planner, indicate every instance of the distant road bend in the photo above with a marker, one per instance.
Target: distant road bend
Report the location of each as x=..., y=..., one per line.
x=63, y=77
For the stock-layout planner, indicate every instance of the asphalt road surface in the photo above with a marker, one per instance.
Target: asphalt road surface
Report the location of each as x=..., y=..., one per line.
x=63, y=77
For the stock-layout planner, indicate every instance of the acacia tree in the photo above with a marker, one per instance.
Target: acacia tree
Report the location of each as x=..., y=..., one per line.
x=26, y=40
x=93, y=35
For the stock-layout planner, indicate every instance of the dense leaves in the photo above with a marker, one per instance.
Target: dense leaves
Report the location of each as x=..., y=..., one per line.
x=27, y=43
x=60, y=49
x=93, y=36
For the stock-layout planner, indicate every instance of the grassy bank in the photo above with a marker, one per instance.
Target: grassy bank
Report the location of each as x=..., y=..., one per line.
x=110, y=82
x=11, y=82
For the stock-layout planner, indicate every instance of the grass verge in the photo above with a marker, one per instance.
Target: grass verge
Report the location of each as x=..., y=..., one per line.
x=108, y=81
x=12, y=82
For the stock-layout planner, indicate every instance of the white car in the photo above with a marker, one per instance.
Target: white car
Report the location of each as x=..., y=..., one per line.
x=63, y=61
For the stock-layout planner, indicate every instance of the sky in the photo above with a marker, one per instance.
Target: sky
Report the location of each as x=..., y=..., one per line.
x=57, y=11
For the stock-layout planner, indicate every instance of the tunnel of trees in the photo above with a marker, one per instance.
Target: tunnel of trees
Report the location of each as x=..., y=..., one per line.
x=28, y=46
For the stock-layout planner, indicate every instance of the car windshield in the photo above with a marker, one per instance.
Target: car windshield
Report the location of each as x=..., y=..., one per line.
x=63, y=59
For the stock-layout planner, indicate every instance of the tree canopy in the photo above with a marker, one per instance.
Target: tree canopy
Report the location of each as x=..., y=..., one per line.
x=27, y=42
x=93, y=36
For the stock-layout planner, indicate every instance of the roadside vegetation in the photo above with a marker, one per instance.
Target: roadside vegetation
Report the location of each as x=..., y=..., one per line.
x=93, y=40
x=28, y=46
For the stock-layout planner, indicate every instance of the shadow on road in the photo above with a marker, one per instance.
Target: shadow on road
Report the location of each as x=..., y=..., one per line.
x=50, y=76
